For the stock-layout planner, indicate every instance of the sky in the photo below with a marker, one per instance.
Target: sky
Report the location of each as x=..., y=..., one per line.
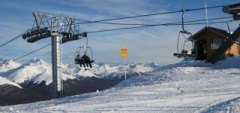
x=145, y=45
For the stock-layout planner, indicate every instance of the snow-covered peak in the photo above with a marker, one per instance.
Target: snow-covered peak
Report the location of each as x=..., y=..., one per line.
x=3, y=61
x=141, y=68
x=104, y=69
x=6, y=81
x=36, y=70
x=6, y=65
x=153, y=64
x=36, y=61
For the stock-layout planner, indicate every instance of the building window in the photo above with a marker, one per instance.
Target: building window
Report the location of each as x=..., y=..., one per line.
x=216, y=43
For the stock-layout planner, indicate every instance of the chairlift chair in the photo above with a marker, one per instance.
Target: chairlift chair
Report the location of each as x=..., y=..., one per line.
x=184, y=53
x=84, y=50
x=80, y=51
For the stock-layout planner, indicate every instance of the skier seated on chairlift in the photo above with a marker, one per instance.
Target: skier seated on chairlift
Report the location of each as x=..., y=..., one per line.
x=80, y=61
x=87, y=60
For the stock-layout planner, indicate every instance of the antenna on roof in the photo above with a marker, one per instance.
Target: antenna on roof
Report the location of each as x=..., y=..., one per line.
x=206, y=12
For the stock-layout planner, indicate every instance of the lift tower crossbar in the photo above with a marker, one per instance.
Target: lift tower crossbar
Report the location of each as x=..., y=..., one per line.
x=55, y=27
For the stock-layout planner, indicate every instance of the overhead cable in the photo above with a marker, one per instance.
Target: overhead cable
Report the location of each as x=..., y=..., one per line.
x=114, y=23
x=151, y=25
x=137, y=16
x=12, y=40
x=31, y=52
x=176, y=23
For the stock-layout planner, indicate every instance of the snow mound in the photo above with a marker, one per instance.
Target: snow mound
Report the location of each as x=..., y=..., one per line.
x=230, y=62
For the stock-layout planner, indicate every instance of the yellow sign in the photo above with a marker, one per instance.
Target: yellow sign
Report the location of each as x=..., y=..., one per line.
x=124, y=52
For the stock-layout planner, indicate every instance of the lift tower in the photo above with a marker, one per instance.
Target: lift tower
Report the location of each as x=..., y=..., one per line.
x=55, y=27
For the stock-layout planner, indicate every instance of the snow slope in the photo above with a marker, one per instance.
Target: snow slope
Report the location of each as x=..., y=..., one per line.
x=188, y=86
x=4, y=81
x=6, y=65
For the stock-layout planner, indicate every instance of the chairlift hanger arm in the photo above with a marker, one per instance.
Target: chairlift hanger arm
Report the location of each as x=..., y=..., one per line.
x=183, y=11
x=183, y=29
x=184, y=53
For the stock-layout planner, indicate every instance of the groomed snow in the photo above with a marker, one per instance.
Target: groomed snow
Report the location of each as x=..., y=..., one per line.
x=189, y=86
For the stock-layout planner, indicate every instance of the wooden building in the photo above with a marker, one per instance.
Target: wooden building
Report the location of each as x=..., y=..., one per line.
x=208, y=39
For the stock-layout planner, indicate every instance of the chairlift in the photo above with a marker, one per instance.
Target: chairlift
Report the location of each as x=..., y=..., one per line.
x=184, y=53
x=80, y=52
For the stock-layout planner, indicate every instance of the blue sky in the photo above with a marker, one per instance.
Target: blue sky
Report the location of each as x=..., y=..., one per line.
x=149, y=44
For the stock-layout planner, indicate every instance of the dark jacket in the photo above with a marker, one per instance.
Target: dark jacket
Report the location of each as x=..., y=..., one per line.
x=86, y=58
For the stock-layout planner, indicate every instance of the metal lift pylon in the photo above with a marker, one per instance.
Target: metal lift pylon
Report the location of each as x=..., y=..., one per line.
x=235, y=11
x=55, y=27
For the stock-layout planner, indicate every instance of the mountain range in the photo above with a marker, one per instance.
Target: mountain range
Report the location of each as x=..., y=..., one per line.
x=33, y=79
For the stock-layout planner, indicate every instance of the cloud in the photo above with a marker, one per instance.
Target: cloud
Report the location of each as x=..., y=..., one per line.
x=115, y=7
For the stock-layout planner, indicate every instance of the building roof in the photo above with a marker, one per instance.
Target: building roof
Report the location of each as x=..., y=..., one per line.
x=220, y=32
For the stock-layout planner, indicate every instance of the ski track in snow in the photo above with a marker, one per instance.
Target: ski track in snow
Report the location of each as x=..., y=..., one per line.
x=183, y=87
